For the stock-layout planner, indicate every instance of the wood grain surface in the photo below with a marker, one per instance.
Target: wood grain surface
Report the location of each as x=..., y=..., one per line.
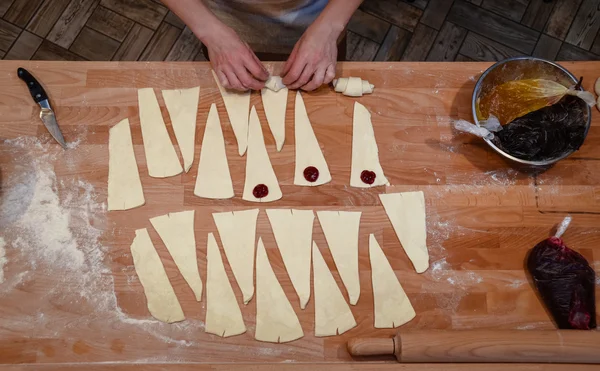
x=483, y=216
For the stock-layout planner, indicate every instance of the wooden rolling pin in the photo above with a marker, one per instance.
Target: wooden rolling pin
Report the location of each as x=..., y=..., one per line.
x=520, y=346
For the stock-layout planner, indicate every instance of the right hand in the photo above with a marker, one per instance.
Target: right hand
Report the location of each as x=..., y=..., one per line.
x=235, y=64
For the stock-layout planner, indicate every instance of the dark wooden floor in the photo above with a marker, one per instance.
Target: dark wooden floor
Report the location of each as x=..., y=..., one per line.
x=433, y=30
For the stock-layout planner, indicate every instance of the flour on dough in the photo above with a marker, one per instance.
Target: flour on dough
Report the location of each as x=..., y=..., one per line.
x=332, y=315
x=365, y=153
x=275, y=83
x=392, y=307
x=223, y=314
x=182, y=105
x=406, y=211
x=214, y=179
x=274, y=98
x=124, y=185
x=341, y=232
x=161, y=158
x=162, y=301
x=293, y=233
x=237, y=230
x=276, y=321
x=237, y=105
x=177, y=232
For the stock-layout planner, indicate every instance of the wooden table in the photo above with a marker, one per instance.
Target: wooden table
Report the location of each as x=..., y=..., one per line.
x=483, y=216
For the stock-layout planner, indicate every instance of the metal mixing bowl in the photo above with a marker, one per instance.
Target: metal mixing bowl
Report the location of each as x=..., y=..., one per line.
x=521, y=68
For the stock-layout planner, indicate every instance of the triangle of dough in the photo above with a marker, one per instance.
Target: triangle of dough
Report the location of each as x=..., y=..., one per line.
x=275, y=104
x=237, y=230
x=308, y=151
x=177, y=232
x=237, y=105
x=182, y=105
x=258, y=165
x=161, y=158
x=341, y=232
x=223, y=314
x=214, y=179
x=276, y=321
x=406, y=211
x=293, y=233
x=332, y=315
x=392, y=307
x=124, y=185
x=162, y=301
x=365, y=153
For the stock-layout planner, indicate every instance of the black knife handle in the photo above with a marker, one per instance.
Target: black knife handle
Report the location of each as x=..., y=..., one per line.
x=37, y=91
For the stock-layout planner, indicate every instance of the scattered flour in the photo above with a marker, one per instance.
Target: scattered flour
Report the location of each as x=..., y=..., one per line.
x=3, y=260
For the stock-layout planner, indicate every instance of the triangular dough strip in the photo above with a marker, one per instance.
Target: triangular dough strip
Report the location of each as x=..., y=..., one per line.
x=124, y=185
x=177, y=232
x=237, y=105
x=182, y=105
x=258, y=165
x=332, y=315
x=223, y=314
x=392, y=307
x=237, y=230
x=365, y=153
x=214, y=179
x=276, y=321
x=293, y=233
x=275, y=104
x=161, y=158
x=406, y=211
x=308, y=151
x=162, y=301
x=341, y=232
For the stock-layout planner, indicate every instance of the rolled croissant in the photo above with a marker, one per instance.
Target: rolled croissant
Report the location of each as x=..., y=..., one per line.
x=353, y=86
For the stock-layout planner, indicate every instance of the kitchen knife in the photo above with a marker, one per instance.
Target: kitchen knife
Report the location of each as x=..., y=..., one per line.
x=40, y=97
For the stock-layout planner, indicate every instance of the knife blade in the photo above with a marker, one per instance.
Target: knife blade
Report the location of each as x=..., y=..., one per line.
x=46, y=113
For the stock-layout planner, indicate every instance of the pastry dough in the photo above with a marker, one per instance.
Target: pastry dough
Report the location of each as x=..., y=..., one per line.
x=332, y=315
x=223, y=314
x=124, y=185
x=341, y=232
x=276, y=321
x=161, y=157
x=275, y=83
x=274, y=98
x=293, y=233
x=177, y=232
x=392, y=307
x=182, y=105
x=162, y=301
x=213, y=180
x=237, y=105
x=237, y=230
x=308, y=151
x=406, y=211
x=353, y=86
x=365, y=154
x=258, y=165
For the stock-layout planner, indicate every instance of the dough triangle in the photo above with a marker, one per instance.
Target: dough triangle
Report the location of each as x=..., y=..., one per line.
x=214, y=179
x=308, y=151
x=182, y=105
x=223, y=314
x=161, y=158
x=162, y=301
x=276, y=321
x=177, y=232
x=332, y=315
x=275, y=104
x=259, y=170
x=341, y=232
x=124, y=185
x=293, y=233
x=237, y=105
x=237, y=230
x=365, y=153
x=406, y=211
x=392, y=307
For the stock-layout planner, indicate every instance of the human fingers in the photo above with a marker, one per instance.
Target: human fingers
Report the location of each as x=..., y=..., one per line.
x=306, y=75
x=247, y=80
x=316, y=81
x=290, y=61
x=223, y=79
x=234, y=82
x=329, y=74
x=256, y=68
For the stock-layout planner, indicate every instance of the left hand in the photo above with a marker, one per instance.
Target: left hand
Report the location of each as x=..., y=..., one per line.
x=312, y=62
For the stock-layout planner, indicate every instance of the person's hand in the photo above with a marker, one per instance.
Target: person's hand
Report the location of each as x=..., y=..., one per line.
x=235, y=64
x=312, y=62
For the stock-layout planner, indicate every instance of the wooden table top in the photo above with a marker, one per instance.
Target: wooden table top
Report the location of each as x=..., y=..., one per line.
x=483, y=216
